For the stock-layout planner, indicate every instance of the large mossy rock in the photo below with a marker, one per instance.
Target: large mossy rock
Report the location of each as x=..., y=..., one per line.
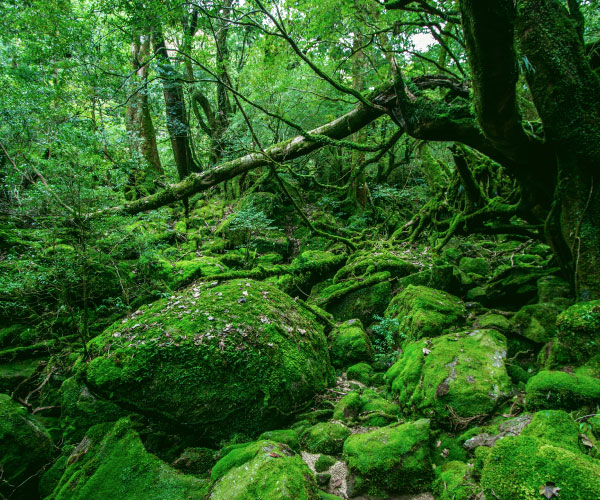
x=425, y=312
x=367, y=407
x=111, y=462
x=262, y=470
x=240, y=356
x=325, y=437
x=536, y=322
x=393, y=459
x=579, y=330
x=25, y=448
x=556, y=389
x=349, y=344
x=546, y=453
x=453, y=376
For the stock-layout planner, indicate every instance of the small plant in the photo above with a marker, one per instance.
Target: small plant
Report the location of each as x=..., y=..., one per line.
x=253, y=222
x=386, y=332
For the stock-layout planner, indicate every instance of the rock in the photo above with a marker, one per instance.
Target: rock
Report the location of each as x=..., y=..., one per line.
x=579, y=330
x=214, y=359
x=361, y=372
x=324, y=462
x=80, y=410
x=362, y=264
x=286, y=436
x=536, y=322
x=326, y=437
x=425, y=312
x=458, y=375
x=111, y=462
x=395, y=459
x=513, y=286
x=261, y=470
x=349, y=344
x=495, y=321
x=476, y=265
x=553, y=289
x=195, y=461
x=439, y=277
x=512, y=427
x=556, y=389
x=367, y=408
x=25, y=448
x=454, y=481
x=544, y=454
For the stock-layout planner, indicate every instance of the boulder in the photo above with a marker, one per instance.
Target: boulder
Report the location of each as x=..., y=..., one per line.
x=325, y=437
x=536, y=322
x=111, y=462
x=349, y=344
x=425, y=312
x=262, y=470
x=579, y=330
x=556, y=389
x=213, y=359
x=453, y=376
x=393, y=459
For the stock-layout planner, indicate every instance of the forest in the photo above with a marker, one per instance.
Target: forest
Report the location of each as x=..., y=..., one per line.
x=299, y=250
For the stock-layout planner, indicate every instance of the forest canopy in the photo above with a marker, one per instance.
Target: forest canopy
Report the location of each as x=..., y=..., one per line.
x=352, y=246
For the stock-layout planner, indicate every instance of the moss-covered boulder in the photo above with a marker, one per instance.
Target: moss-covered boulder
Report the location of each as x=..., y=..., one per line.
x=325, y=437
x=263, y=470
x=453, y=376
x=579, y=330
x=80, y=410
x=349, y=344
x=445, y=277
x=474, y=265
x=513, y=286
x=214, y=359
x=360, y=372
x=111, y=462
x=25, y=448
x=365, y=263
x=286, y=436
x=536, y=322
x=493, y=320
x=393, y=459
x=522, y=467
x=197, y=461
x=556, y=389
x=366, y=407
x=553, y=289
x=425, y=312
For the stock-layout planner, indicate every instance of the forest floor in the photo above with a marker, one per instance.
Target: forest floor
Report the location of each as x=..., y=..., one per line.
x=239, y=356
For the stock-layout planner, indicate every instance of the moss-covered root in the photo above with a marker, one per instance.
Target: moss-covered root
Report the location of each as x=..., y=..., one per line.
x=111, y=462
x=262, y=470
x=393, y=459
x=25, y=448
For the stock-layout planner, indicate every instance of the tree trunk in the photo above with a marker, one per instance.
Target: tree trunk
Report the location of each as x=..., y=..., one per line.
x=139, y=123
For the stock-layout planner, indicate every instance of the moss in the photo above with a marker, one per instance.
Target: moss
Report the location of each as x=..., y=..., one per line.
x=394, y=458
x=361, y=372
x=517, y=374
x=12, y=374
x=555, y=389
x=495, y=321
x=376, y=411
x=25, y=448
x=349, y=344
x=454, y=481
x=425, y=312
x=325, y=437
x=553, y=288
x=349, y=407
x=481, y=456
x=353, y=299
x=51, y=477
x=111, y=462
x=556, y=427
x=315, y=416
x=460, y=374
x=513, y=286
x=214, y=359
x=447, y=448
x=365, y=263
x=579, y=330
x=263, y=470
x=80, y=410
x=475, y=265
x=536, y=322
x=517, y=467
x=197, y=461
x=285, y=436
x=324, y=462
x=443, y=277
